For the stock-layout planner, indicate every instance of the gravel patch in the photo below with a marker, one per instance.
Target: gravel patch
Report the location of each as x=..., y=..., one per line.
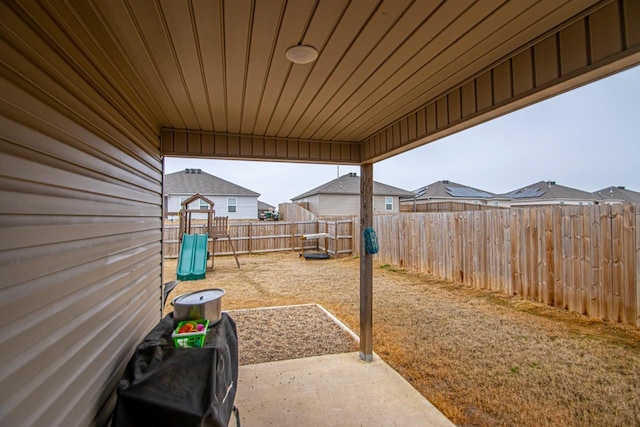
x=290, y=332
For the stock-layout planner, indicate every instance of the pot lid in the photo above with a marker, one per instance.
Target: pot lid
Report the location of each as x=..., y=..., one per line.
x=198, y=297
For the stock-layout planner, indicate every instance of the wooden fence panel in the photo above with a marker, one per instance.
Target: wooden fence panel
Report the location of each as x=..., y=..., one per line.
x=516, y=268
x=270, y=236
x=629, y=283
x=430, y=206
x=292, y=212
x=637, y=266
x=581, y=258
x=595, y=292
x=576, y=253
x=585, y=259
x=344, y=237
x=617, y=281
x=558, y=256
x=548, y=265
x=459, y=248
x=606, y=263
x=470, y=234
x=506, y=248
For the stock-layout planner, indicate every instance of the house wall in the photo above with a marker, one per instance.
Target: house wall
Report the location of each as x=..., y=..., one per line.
x=345, y=204
x=246, y=208
x=80, y=229
x=338, y=204
x=313, y=203
x=499, y=203
x=379, y=205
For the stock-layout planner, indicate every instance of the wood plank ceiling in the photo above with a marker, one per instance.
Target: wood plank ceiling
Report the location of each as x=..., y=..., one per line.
x=218, y=68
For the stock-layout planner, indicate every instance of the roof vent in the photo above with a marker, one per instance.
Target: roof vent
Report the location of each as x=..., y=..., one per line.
x=552, y=183
x=445, y=181
x=620, y=187
x=353, y=174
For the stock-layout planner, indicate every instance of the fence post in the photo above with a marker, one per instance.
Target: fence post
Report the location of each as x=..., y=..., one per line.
x=292, y=238
x=629, y=288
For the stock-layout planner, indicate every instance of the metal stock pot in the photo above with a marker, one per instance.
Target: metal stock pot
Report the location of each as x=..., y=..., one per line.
x=205, y=304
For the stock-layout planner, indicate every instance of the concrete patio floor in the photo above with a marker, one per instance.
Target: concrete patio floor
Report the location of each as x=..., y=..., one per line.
x=330, y=390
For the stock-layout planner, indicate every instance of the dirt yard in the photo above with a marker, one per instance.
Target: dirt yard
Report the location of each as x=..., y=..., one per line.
x=484, y=359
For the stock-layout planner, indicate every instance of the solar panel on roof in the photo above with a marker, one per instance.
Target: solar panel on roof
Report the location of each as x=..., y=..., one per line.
x=422, y=191
x=526, y=193
x=467, y=192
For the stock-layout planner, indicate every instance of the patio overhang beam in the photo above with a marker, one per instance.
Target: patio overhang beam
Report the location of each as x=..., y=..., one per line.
x=205, y=144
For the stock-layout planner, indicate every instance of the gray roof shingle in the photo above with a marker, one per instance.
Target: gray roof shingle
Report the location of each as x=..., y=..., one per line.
x=262, y=206
x=350, y=184
x=448, y=189
x=191, y=181
x=548, y=190
x=617, y=193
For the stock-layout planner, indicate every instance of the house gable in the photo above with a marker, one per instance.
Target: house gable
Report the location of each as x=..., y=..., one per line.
x=228, y=199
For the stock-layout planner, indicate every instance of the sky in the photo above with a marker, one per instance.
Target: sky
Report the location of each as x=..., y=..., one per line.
x=588, y=138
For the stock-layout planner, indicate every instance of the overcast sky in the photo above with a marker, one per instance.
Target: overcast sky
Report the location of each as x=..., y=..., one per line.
x=588, y=139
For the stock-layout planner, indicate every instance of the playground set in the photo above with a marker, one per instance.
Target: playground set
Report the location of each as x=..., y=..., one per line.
x=197, y=249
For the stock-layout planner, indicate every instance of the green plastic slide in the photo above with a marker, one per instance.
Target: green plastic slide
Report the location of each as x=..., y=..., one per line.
x=192, y=263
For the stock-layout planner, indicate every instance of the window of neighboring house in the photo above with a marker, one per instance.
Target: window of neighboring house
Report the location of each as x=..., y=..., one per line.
x=204, y=205
x=495, y=203
x=388, y=203
x=232, y=204
x=182, y=199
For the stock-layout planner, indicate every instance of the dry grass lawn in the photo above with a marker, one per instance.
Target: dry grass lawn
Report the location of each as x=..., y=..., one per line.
x=484, y=359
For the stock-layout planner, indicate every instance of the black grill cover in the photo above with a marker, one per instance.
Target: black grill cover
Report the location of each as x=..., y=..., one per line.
x=167, y=386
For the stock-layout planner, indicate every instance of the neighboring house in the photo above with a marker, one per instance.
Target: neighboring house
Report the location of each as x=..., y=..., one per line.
x=341, y=196
x=547, y=193
x=448, y=191
x=617, y=194
x=229, y=199
x=264, y=208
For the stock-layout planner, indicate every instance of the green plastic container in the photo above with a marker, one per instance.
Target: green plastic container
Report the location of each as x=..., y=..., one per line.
x=190, y=339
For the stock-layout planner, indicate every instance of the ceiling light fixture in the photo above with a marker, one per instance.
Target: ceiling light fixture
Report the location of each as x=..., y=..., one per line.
x=301, y=54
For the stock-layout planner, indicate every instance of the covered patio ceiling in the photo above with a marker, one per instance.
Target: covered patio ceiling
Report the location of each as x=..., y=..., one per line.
x=210, y=78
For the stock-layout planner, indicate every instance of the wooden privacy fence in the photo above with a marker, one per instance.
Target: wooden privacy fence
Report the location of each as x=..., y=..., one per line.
x=430, y=206
x=295, y=212
x=271, y=236
x=582, y=258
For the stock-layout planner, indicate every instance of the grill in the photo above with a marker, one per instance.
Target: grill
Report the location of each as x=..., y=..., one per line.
x=167, y=386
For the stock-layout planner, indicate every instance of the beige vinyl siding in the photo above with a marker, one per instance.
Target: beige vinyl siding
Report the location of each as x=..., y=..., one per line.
x=379, y=204
x=314, y=203
x=80, y=237
x=339, y=204
x=346, y=204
